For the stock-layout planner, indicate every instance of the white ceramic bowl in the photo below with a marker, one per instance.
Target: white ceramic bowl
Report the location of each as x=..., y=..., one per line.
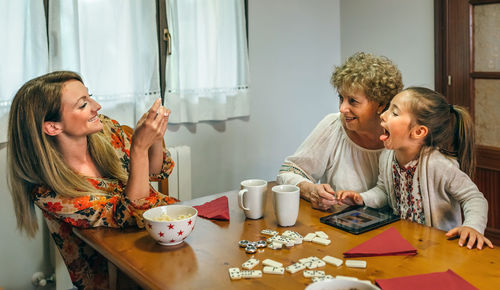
x=341, y=284
x=172, y=232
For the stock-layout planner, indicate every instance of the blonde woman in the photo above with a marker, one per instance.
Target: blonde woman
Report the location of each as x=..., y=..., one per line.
x=342, y=152
x=80, y=168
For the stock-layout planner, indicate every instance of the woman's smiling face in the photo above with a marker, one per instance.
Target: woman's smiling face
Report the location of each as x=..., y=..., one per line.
x=78, y=110
x=359, y=112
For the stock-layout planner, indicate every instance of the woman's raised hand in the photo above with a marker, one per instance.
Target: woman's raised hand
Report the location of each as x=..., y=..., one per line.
x=151, y=127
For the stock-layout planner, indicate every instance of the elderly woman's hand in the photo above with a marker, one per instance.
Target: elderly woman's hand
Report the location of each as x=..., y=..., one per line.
x=321, y=196
x=151, y=127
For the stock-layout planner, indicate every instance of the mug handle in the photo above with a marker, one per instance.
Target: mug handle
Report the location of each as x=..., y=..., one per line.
x=240, y=199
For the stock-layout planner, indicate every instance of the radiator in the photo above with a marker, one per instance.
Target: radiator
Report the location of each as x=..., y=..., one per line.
x=179, y=181
x=179, y=186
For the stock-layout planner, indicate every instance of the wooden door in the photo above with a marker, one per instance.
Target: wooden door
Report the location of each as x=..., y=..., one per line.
x=467, y=38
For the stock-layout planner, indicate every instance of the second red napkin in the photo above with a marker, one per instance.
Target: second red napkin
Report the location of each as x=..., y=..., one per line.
x=388, y=243
x=216, y=209
x=438, y=280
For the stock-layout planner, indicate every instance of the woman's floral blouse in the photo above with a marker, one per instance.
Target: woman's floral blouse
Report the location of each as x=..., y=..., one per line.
x=87, y=268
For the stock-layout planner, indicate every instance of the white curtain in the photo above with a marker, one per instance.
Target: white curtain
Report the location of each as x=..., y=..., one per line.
x=23, y=50
x=113, y=45
x=207, y=72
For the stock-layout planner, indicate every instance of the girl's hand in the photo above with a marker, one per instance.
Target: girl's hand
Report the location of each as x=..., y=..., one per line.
x=321, y=196
x=471, y=234
x=349, y=197
x=151, y=127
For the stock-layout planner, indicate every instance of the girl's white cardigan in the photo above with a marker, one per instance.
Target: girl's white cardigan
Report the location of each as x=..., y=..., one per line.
x=444, y=188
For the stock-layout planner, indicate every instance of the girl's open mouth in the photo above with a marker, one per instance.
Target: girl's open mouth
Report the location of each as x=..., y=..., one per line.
x=385, y=135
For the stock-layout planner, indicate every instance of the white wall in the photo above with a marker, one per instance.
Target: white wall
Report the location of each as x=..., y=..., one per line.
x=402, y=30
x=20, y=257
x=294, y=45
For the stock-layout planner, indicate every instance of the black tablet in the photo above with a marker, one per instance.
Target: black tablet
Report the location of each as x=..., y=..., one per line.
x=360, y=219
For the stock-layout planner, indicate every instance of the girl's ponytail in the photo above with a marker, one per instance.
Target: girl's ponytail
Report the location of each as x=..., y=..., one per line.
x=451, y=129
x=464, y=139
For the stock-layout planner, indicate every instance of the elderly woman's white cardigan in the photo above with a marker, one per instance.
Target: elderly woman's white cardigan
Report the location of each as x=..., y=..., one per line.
x=444, y=188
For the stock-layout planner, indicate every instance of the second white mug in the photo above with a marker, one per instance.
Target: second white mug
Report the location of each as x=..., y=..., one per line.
x=286, y=204
x=252, y=198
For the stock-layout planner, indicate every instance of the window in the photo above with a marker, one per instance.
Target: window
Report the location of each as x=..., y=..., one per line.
x=23, y=53
x=114, y=45
x=207, y=70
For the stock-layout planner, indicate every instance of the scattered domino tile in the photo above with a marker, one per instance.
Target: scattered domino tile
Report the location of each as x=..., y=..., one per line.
x=332, y=260
x=251, y=273
x=346, y=277
x=321, y=241
x=308, y=259
x=293, y=235
x=269, y=232
x=355, y=263
x=274, y=270
x=294, y=268
x=272, y=239
x=311, y=265
x=234, y=273
x=272, y=263
x=320, y=263
x=310, y=273
x=309, y=237
x=248, y=265
x=314, y=264
x=284, y=240
x=321, y=234
x=275, y=246
x=326, y=277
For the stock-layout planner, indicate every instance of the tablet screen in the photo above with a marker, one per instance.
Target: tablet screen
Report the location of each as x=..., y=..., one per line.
x=360, y=219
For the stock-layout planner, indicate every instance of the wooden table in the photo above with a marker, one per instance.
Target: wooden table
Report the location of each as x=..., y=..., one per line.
x=202, y=261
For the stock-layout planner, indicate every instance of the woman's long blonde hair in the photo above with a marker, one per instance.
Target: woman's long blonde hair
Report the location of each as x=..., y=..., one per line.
x=33, y=157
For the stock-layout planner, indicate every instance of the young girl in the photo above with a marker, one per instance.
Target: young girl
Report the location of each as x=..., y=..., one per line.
x=80, y=168
x=420, y=177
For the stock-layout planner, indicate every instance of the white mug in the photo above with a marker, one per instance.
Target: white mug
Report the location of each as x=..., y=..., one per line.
x=252, y=198
x=286, y=204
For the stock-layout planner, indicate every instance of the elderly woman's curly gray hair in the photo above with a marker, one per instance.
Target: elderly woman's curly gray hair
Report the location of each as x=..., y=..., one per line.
x=376, y=76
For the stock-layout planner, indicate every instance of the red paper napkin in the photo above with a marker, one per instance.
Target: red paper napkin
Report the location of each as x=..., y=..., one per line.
x=388, y=243
x=216, y=209
x=438, y=280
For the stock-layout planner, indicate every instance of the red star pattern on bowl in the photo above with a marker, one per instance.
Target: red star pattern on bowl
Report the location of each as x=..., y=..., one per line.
x=170, y=232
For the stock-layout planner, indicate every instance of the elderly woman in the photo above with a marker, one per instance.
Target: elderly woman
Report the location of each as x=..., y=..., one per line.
x=80, y=168
x=342, y=152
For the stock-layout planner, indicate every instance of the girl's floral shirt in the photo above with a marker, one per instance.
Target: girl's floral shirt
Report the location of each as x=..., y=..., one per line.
x=407, y=191
x=87, y=268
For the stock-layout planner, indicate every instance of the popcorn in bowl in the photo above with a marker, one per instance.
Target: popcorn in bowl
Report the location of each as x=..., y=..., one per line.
x=170, y=224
